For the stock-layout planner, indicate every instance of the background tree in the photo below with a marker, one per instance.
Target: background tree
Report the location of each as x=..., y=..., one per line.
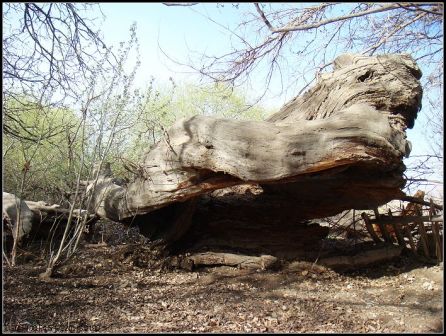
x=53, y=59
x=65, y=96
x=48, y=159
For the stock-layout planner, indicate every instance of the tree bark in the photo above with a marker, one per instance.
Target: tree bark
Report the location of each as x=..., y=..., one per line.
x=262, y=262
x=15, y=212
x=339, y=146
x=39, y=220
x=366, y=258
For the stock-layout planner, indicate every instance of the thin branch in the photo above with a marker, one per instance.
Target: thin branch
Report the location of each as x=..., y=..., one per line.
x=180, y=3
x=385, y=38
x=262, y=15
x=338, y=18
x=418, y=201
x=418, y=8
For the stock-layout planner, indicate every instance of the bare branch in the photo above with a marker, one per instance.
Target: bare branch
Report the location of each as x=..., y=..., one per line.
x=338, y=18
x=386, y=37
x=262, y=15
x=438, y=8
x=180, y=3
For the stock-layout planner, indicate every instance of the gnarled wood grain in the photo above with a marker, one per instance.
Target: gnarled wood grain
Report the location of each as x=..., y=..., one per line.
x=338, y=146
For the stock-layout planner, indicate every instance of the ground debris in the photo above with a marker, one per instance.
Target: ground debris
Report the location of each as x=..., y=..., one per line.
x=102, y=290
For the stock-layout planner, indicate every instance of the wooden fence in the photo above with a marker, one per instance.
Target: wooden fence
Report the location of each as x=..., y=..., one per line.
x=421, y=234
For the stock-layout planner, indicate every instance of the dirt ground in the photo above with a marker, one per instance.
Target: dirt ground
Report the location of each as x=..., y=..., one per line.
x=103, y=290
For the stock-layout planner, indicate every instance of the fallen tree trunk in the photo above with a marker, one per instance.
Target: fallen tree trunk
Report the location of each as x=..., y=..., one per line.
x=39, y=220
x=16, y=212
x=339, y=146
x=43, y=209
x=366, y=258
x=262, y=262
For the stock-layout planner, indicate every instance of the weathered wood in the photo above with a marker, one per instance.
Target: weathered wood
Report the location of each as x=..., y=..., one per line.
x=408, y=234
x=416, y=200
x=366, y=258
x=437, y=241
x=398, y=231
x=360, y=79
x=436, y=232
x=423, y=238
x=229, y=259
x=41, y=208
x=343, y=122
x=40, y=219
x=431, y=254
x=408, y=219
x=263, y=153
x=15, y=211
x=369, y=228
x=414, y=208
x=339, y=146
x=382, y=227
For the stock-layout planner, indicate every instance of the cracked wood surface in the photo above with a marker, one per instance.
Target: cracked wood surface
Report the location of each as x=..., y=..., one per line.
x=338, y=146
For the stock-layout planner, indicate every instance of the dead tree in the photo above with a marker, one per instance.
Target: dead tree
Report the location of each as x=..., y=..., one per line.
x=15, y=212
x=338, y=146
x=37, y=220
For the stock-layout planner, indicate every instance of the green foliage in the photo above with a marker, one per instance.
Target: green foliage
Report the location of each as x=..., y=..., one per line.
x=121, y=126
x=161, y=108
x=213, y=100
x=46, y=142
